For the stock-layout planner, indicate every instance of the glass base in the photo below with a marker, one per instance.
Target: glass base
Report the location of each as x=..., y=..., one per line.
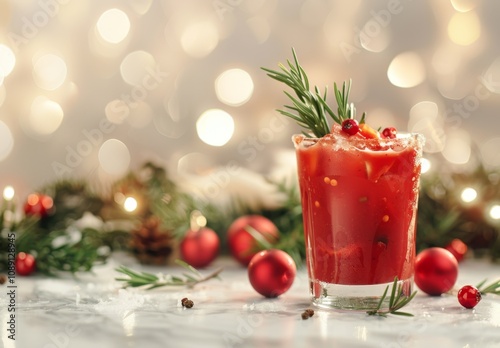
x=354, y=297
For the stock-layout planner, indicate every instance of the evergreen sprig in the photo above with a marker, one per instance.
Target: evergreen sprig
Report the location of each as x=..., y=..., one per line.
x=397, y=301
x=310, y=108
x=152, y=281
x=493, y=288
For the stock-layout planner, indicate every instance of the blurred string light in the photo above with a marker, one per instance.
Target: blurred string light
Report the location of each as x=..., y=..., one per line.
x=425, y=119
x=468, y=195
x=406, y=70
x=49, y=72
x=490, y=152
x=215, y=127
x=135, y=68
x=464, y=5
x=113, y=26
x=495, y=212
x=425, y=165
x=130, y=204
x=457, y=149
x=8, y=193
x=464, y=28
x=6, y=141
x=234, y=87
x=2, y=94
x=199, y=39
x=7, y=61
x=45, y=117
x=114, y=157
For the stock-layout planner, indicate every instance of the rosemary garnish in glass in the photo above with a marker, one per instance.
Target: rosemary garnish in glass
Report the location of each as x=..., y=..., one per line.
x=309, y=108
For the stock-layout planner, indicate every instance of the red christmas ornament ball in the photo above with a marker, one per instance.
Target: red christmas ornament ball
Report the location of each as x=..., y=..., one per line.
x=25, y=264
x=199, y=248
x=271, y=272
x=38, y=204
x=242, y=244
x=469, y=296
x=457, y=248
x=436, y=271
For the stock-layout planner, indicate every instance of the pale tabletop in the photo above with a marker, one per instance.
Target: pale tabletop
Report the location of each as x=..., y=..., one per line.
x=93, y=311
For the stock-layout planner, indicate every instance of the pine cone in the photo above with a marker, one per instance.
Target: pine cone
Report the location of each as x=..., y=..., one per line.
x=150, y=244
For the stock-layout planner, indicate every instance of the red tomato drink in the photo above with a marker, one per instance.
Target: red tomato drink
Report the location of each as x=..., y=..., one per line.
x=359, y=200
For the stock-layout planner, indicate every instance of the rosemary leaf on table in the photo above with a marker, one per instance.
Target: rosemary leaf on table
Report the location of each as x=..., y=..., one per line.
x=397, y=301
x=152, y=281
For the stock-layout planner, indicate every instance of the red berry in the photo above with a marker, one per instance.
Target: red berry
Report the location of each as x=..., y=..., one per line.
x=350, y=126
x=436, y=271
x=25, y=264
x=469, y=296
x=389, y=133
x=271, y=272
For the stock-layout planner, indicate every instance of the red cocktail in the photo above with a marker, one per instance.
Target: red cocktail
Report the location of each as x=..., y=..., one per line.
x=359, y=200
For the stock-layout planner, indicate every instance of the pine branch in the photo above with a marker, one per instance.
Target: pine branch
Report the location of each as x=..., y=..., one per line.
x=397, y=301
x=151, y=281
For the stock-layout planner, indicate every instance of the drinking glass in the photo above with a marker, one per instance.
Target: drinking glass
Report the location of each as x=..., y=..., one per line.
x=359, y=202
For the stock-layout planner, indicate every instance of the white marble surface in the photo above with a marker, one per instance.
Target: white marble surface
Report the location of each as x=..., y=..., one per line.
x=93, y=311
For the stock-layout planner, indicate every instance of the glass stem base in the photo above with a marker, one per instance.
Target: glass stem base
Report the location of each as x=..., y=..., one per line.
x=354, y=297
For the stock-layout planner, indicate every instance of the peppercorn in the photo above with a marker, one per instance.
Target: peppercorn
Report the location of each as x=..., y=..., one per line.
x=185, y=302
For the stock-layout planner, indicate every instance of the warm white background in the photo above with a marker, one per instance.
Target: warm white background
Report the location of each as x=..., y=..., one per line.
x=449, y=62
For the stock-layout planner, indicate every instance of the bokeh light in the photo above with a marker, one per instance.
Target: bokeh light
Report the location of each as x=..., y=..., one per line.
x=425, y=165
x=7, y=61
x=2, y=94
x=215, y=127
x=464, y=5
x=135, y=68
x=199, y=39
x=464, y=28
x=116, y=111
x=425, y=119
x=130, y=204
x=457, y=149
x=49, y=72
x=6, y=141
x=113, y=25
x=495, y=212
x=46, y=116
x=8, y=193
x=468, y=195
x=234, y=87
x=490, y=152
x=114, y=157
x=406, y=70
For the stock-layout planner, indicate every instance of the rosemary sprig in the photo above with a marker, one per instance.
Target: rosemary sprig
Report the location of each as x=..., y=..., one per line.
x=151, y=281
x=310, y=108
x=493, y=288
x=396, y=301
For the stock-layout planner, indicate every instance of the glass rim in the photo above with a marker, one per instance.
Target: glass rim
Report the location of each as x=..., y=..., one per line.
x=403, y=139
